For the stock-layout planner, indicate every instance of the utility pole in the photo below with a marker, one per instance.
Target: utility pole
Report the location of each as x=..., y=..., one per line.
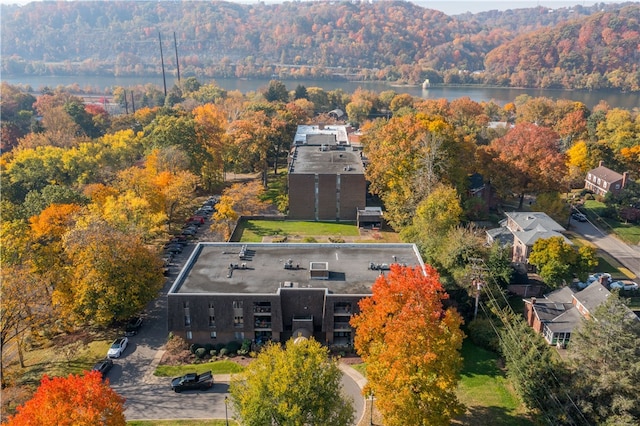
x=478, y=270
x=164, y=79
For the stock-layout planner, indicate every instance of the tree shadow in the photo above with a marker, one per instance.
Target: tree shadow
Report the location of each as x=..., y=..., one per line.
x=495, y=416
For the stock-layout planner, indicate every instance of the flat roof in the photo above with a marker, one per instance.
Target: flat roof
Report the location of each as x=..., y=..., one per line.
x=333, y=134
x=270, y=266
x=313, y=159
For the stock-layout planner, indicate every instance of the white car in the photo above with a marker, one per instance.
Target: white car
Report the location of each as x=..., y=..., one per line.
x=621, y=285
x=117, y=347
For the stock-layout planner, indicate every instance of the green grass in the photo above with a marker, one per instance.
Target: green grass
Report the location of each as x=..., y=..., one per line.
x=626, y=232
x=180, y=422
x=255, y=230
x=485, y=390
x=216, y=367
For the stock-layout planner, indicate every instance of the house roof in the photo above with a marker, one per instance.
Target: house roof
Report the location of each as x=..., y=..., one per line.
x=592, y=296
x=530, y=237
x=605, y=174
x=502, y=235
x=534, y=221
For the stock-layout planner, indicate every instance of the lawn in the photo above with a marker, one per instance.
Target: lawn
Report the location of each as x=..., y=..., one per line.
x=216, y=367
x=255, y=230
x=485, y=391
x=626, y=232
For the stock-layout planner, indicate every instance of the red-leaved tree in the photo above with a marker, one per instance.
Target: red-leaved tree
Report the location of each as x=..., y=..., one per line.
x=77, y=400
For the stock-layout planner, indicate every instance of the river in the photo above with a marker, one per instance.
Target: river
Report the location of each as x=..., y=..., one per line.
x=103, y=84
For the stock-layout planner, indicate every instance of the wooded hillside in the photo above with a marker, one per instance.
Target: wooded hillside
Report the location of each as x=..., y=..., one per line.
x=397, y=41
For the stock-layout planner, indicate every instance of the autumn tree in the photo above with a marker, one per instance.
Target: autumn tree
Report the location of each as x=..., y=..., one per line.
x=434, y=216
x=605, y=358
x=558, y=261
x=276, y=91
x=409, y=156
x=76, y=400
x=238, y=199
x=411, y=345
x=526, y=160
x=25, y=307
x=295, y=385
x=113, y=275
x=211, y=126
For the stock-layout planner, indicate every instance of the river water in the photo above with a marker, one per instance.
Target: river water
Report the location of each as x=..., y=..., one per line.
x=103, y=84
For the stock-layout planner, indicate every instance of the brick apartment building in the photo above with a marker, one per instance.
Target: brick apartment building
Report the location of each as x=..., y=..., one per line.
x=272, y=291
x=326, y=175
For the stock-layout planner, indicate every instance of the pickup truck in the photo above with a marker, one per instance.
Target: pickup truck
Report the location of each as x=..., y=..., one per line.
x=192, y=381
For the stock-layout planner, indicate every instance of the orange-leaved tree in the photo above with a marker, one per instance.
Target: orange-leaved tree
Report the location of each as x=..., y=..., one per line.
x=411, y=345
x=77, y=400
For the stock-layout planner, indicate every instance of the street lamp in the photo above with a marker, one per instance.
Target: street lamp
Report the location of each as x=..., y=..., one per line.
x=371, y=408
x=226, y=412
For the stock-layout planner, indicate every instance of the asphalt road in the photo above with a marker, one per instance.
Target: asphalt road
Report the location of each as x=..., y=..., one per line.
x=627, y=255
x=151, y=398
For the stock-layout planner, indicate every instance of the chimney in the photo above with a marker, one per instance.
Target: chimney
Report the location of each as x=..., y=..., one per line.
x=533, y=300
x=601, y=163
x=625, y=176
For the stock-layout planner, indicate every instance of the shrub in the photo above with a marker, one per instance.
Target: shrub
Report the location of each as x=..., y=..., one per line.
x=481, y=333
x=246, y=345
x=223, y=352
x=218, y=346
x=233, y=347
x=336, y=239
x=208, y=347
x=213, y=353
x=201, y=352
x=310, y=240
x=194, y=347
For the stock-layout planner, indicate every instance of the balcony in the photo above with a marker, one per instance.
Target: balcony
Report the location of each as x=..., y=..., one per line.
x=260, y=324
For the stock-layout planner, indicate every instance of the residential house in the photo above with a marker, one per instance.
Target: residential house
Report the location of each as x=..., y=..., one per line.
x=522, y=230
x=560, y=312
x=603, y=180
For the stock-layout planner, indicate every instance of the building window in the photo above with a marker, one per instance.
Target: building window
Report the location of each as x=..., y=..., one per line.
x=212, y=315
x=342, y=308
x=237, y=304
x=239, y=335
x=213, y=334
x=238, y=321
x=604, y=184
x=187, y=317
x=617, y=186
x=189, y=335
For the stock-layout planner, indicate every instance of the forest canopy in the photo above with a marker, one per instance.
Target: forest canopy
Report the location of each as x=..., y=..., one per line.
x=579, y=47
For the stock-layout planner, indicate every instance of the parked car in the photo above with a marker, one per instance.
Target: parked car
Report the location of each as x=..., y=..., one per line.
x=621, y=285
x=579, y=217
x=117, y=347
x=133, y=326
x=192, y=381
x=174, y=248
x=103, y=366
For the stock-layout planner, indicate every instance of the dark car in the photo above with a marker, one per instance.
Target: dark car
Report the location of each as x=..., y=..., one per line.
x=579, y=217
x=103, y=366
x=192, y=381
x=133, y=326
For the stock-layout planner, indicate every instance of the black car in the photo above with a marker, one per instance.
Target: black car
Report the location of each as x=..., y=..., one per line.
x=103, y=366
x=579, y=217
x=133, y=326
